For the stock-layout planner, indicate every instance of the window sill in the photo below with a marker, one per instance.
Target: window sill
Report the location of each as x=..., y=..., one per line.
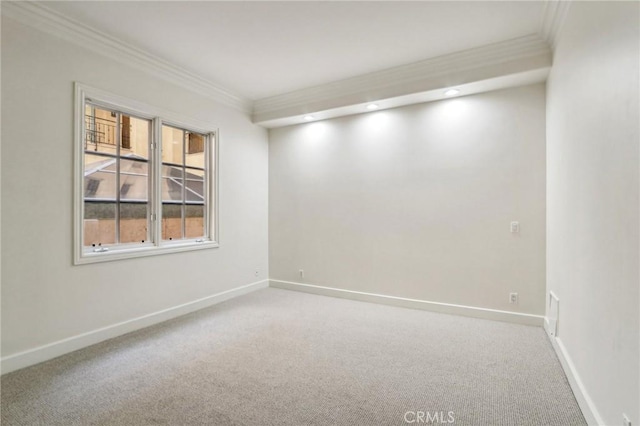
x=131, y=253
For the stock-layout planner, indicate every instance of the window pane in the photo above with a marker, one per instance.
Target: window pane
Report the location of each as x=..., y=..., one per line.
x=94, y=162
x=172, y=190
x=171, y=221
x=102, y=160
x=182, y=179
x=195, y=191
x=195, y=185
x=172, y=145
x=133, y=222
x=194, y=221
x=134, y=180
x=100, y=185
x=135, y=134
x=172, y=171
x=194, y=150
x=195, y=173
x=172, y=183
x=100, y=130
x=99, y=223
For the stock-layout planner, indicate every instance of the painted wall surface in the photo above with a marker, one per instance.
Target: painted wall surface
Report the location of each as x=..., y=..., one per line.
x=593, y=196
x=416, y=202
x=44, y=297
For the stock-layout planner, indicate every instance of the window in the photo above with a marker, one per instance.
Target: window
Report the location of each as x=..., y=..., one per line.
x=183, y=206
x=145, y=180
x=116, y=178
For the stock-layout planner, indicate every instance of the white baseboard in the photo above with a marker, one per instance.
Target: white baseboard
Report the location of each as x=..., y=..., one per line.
x=446, y=308
x=61, y=347
x=586, y=404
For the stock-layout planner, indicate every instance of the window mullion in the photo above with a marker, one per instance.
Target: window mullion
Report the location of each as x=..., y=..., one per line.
x=185, y=137
x=206, y=183
x=117, y=141
x=156, y=171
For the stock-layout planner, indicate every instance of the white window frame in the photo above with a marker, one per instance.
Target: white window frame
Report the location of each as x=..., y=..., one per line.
x=158, y=117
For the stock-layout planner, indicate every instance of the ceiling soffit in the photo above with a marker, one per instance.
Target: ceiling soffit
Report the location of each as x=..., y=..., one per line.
x=524, y=56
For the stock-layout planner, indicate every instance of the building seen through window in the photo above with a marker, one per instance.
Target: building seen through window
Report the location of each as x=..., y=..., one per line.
x=118, y=183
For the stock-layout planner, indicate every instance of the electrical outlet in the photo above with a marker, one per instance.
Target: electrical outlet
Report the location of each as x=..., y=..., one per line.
x=301, y=273
x=257, y=272
x=515, y=227
x=625, y=420
x=513, y=297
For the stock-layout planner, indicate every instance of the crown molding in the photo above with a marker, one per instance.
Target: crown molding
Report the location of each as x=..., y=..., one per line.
x=42, y=18
x=553, y=16
x=490, y=61
x=504, y=81
x=511, y=57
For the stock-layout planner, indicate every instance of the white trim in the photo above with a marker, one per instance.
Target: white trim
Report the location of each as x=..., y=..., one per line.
x=445, y=308
x=214, y=165
x=585, y=402
x=369, y=87
x=158, y=116
x=535, y=76
x=144, y=250
x=141, y=109
x=551, y=325
x=526, y=54
x=43, y=18
x=553, y=16
x=508, y=57
x=156, y=180
x=70, y=344
x=78, y=171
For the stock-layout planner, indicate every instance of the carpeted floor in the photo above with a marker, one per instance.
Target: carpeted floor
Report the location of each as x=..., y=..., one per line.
x=276, y=357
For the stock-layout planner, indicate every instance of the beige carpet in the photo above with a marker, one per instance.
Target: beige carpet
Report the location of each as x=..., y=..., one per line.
x=277, y=357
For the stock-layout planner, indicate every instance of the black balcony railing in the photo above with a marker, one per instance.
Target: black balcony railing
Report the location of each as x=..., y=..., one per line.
x=102, y=131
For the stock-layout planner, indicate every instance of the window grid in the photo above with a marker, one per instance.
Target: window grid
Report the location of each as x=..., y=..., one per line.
x=197, y=188
x=116, y=140
x=186, y=180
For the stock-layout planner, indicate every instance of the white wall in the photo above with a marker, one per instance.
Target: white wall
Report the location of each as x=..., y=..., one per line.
x=416, y=202
x=592, y=161
x=44, y=297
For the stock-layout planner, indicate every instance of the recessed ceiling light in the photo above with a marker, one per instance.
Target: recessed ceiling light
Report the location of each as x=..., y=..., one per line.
x=451, y=92
x=372, y=106
x=308, y=117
